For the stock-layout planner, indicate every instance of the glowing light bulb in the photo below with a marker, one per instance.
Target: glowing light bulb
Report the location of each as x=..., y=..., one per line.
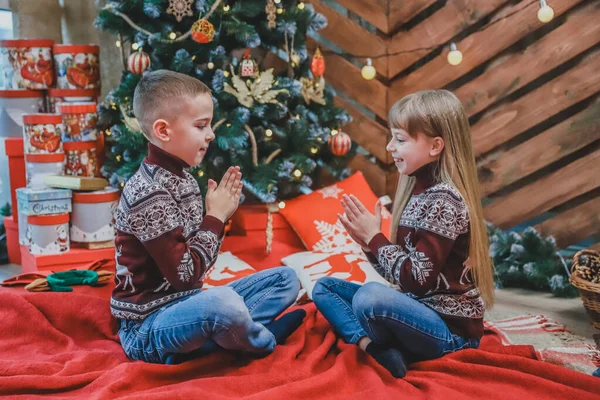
x=301, y=5
x=277, y=1
x=268, y=133
x=281, y=205
x=135, y=46
x=280, y=11
x=226, y=8
x=210, y=65
x=545, y=13
x=172, y=35
x=368, y=72
x=118, y=43
x=297, y=173
x=455, y=56
x=314, y=150
x=334, y=132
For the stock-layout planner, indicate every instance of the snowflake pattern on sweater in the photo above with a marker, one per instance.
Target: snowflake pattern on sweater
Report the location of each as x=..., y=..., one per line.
x=165, y=243
x=429, y=263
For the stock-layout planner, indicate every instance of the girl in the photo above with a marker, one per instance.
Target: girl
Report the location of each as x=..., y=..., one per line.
x=438, y=263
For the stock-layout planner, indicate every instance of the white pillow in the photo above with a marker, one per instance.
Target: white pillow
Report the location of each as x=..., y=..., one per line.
x=310, y=266
x=227, y=268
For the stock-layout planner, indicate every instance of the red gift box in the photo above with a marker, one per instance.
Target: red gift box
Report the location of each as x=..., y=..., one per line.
x=12, y=240
x=16, y=169
x=254, y=218
x=73, y=259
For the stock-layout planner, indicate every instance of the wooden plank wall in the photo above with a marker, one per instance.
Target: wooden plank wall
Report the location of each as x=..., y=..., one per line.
x=531, y=91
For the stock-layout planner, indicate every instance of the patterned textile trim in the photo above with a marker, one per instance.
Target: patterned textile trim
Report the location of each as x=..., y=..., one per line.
x=126, y=310
x=440, y=210
x=466, y=305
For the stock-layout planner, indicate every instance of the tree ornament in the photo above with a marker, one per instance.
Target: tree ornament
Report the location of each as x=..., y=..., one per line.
x=313, y=90
x=271, y=12
x=248, y=66
x=293, y=57
x=138, y=62
x=255, y=90
x=180, y=9
x=339, y=144
x=317, y=64
x=132, y=123
x=203, y=31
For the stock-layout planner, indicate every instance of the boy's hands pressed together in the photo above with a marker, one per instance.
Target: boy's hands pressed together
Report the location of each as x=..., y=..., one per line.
x=361, y=225
x=223, y=200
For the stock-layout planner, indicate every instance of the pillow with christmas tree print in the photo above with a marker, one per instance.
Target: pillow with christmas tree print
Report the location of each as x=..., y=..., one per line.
x=352, y=267
x=314, y=216
x=226, y=269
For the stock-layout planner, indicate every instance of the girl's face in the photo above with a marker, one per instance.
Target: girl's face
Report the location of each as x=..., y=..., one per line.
x=411, y=153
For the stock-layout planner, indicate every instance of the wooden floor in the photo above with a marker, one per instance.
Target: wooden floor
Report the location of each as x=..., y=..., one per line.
x=509, y=303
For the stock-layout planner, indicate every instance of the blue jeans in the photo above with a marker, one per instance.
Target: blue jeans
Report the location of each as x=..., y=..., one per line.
x=386, y=316
x=230, y=317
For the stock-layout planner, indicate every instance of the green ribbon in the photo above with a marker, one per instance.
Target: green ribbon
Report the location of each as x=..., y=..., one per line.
x=62, y=281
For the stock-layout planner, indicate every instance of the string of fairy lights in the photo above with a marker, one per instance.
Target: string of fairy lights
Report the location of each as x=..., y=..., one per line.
x=368, y=72
x=455, y=57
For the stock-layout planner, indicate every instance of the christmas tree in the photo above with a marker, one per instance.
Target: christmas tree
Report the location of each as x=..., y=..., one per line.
x=275, y=125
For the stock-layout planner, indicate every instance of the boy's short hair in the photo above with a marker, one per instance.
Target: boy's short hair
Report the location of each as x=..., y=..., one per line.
x=159, y=89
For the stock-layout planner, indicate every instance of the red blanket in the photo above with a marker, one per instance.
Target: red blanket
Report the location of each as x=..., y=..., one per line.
x=65, y=345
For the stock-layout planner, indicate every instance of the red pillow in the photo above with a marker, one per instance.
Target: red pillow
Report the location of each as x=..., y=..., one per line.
x=314, y=216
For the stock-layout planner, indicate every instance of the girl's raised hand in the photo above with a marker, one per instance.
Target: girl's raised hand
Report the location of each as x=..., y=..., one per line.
x=360, y=221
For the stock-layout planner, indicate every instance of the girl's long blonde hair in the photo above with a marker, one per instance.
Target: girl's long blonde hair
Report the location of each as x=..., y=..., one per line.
x=440, y=113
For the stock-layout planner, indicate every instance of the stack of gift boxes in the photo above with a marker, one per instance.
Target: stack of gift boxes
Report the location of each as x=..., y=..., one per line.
x=48, y=115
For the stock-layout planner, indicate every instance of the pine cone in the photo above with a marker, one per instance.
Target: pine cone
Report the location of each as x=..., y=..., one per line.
x=588, y=266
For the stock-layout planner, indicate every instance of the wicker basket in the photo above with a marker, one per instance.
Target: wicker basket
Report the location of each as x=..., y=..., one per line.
x=589, y=292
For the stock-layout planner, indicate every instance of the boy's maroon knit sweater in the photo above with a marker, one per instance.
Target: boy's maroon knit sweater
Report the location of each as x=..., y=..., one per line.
x=164, y=245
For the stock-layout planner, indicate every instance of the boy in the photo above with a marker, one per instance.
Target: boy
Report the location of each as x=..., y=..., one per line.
x=165, y=245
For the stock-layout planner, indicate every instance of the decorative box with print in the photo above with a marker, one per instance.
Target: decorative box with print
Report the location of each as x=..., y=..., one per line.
x=26, y=64
x=38, y=166
x=15, y=103
x=77, y=66
x=80, y=121
x=57, y=96
x=31, y=202
x=92, y=219
x=42, y=133
x=48, y=234
x=81, y=159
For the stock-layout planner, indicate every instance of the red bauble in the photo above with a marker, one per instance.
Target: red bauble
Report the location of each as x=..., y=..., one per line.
x=138, y=62
x=339, y=144
x=203, y=31
x=317, y=64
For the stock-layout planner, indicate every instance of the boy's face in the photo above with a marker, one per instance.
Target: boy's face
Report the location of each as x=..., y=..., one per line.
x=190, y=129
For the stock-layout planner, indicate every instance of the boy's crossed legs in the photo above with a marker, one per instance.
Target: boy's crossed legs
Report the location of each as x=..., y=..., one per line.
x=232, y=317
